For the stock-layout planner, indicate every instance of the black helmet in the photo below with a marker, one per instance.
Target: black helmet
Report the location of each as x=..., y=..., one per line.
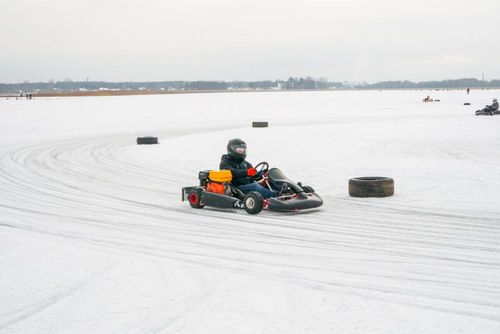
x=237, y=149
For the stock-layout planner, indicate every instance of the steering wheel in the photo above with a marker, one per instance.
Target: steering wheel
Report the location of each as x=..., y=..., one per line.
x=262, y=168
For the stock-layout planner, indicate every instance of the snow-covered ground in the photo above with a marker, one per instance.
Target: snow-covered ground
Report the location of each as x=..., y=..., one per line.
x=94, y=237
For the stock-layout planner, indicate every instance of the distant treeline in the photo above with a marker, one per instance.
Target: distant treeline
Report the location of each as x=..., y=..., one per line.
x=290, y=84
x=68, y=85
x=458, y=83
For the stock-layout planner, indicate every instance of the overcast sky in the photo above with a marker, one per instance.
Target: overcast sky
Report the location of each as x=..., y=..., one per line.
x=156, y=40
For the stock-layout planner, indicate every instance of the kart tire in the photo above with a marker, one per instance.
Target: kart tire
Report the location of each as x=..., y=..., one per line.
x=492, y=113
x=194, y=197
x=149, y=140
x=467, y=104
x=308, y=189
x=253, y=202
x=371, y=186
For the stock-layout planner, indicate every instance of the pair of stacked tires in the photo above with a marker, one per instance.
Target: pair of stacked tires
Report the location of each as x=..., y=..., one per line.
x=148, y=140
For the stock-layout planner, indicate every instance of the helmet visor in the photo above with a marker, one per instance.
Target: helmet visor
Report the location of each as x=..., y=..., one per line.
x=240, y=149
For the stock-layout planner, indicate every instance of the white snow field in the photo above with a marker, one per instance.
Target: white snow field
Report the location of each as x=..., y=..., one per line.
x=94, y=237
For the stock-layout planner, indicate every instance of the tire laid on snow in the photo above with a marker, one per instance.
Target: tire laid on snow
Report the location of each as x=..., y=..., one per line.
x=467, y=104
x=194, y=199
x=253, y=202
x=371, y=186
x=149, y=140
x=260, y=124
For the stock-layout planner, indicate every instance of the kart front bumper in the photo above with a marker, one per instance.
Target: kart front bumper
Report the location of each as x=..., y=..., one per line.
x=295, y=204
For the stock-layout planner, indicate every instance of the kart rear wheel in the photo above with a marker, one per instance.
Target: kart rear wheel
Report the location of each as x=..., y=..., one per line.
x=253, y=202
x=194, y=199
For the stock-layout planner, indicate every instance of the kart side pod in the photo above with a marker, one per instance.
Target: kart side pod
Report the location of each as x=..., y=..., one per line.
x=252, y=203
x=213, y=199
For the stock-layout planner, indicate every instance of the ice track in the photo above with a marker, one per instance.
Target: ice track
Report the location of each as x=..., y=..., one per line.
x=149, y=264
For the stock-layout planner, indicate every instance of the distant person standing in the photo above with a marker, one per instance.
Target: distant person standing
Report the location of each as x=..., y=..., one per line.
x=468, y=90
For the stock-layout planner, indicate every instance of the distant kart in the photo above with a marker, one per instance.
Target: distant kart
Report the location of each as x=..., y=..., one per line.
x=427, y=100
x=487, y=111
x=215, y=190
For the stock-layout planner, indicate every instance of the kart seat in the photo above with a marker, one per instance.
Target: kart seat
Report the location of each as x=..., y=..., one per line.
x=277, y=178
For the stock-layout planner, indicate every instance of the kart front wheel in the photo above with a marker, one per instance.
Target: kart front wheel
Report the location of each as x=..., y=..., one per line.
x=253, y=202
x=308, y=189
x=194, y=199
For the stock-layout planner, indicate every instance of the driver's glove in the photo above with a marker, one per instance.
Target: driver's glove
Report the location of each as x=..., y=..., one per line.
x=251, y=171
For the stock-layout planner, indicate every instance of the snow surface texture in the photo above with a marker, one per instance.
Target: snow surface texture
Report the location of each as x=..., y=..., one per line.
x=94, y=238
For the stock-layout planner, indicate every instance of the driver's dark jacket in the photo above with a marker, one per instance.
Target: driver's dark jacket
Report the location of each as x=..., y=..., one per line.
x=494, y=106
x=238, y=169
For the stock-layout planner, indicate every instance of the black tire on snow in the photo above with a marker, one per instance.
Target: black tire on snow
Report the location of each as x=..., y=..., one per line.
x=194, y=199
x=253, y=202
x=467, y=104
x=149, y=140
x=260, y=124
x=371, y=186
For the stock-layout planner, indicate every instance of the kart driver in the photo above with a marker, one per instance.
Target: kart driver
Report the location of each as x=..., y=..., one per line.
x=493, y=107
x=243, y=172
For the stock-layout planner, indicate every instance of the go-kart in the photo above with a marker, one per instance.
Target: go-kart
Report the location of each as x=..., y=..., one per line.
x=487, y=111
x=216, y=190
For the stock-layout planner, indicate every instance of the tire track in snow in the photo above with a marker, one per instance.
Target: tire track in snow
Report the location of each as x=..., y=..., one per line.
x=367, y=249
x=18, y=315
